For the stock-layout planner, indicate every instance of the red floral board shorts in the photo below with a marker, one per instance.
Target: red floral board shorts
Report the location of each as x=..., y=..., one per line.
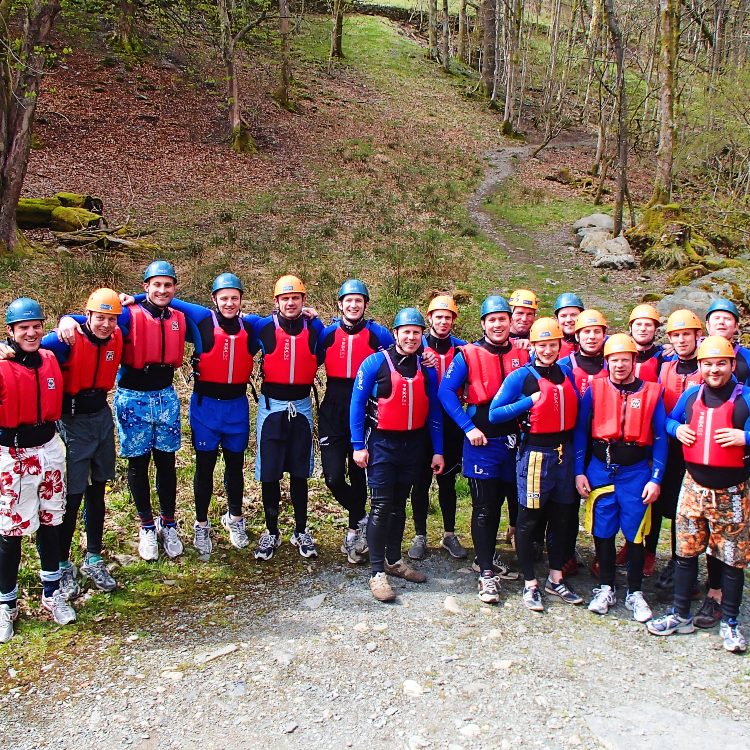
x=717, y=521
x=32, y=487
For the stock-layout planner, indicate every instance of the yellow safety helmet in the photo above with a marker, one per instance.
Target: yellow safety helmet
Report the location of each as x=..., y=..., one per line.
x=682, y=320
x=618, y=343
x=524, y=298
x=644, y=311
x=715, y=346
x=443, y=302
x=288, y=285
x=590, y=318
x=104, y=300
x=545, y=329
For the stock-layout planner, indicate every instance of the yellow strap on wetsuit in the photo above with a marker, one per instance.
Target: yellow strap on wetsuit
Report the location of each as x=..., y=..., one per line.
x=594, y=495
x=645, y=528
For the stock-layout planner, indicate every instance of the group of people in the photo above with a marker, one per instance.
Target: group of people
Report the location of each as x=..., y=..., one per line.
x=538, y=413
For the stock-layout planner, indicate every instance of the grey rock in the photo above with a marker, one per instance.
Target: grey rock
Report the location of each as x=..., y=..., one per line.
x=688, y=297
x=593, y=240
x=603, y=221
x=313, y=602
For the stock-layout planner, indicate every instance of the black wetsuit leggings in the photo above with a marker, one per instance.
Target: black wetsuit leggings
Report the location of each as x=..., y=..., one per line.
x=420, y=499
x=487, y=496
x=686, y=575
x=166, y=485
x=338, y=465
x=271, y=493
x=48, y=546
x=93, y=517
x=607, y=553
x=557, y=516
x=385, y=524
x=203, y=481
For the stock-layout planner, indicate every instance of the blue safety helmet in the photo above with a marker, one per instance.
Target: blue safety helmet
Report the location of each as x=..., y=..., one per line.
x=354, y=286
x=723, y=305
x=568, y=299
x=409, y=316
x=160, y=268
x=227, y=281
x=495, y=304
x=22, y=309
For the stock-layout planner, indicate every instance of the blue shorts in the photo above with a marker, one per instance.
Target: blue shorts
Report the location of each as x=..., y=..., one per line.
x=284, y=439
x=395, y=457
x=545, y=474
x=623, y=508
x=147, y=420
x=496, y=460
x=216, y=421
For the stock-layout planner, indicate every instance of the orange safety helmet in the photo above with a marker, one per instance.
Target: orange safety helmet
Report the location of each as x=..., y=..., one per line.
x=524, y=298
x=545, y=329
x=682, y=320
x=443, y=302
x=645, y=311
x=104, y=300
x=288, y=285
x=715, y=346
x=590, y=318
x=618, y=343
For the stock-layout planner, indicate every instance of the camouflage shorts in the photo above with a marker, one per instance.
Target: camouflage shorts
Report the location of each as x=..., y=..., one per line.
x=714, y=520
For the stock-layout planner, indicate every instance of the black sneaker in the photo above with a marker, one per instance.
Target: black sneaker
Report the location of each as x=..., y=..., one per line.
x=666, y=577
x=563, y=591
x=304, y=543
x=454, y=547
x=709, y=614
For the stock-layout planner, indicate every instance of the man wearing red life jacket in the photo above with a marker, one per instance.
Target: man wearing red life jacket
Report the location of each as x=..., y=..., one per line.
x=568, y=307
x=676, y=376
x=712, y=423
x=346, y=343
x=588, y=362
x=489, y=453
x=546, y=394
x=644, y=322
x=723, y=319
x=147, y=408
x=442, y=314
x=32, y=463
x=291, y=346
x=394, y=406
x=621, y=426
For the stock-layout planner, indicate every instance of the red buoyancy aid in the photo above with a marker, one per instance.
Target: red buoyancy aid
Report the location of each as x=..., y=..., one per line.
x=408, y=406
x=154, y=341
x=648, y=369
x=347, y=352
x=443, y=360
x=228, y=361
x=291, y=362
x=557, y=408
x=487, y=371
x=566, y=349
x=30, y=396
x=674, y=384
x=621, y=416
x=582, y=378
x=91, y=365
x=704, y=422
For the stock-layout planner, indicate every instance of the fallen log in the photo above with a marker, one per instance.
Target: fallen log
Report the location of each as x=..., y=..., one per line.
x=64, y=212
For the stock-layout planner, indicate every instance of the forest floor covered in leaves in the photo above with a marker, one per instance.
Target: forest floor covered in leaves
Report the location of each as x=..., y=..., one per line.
x=394, y=172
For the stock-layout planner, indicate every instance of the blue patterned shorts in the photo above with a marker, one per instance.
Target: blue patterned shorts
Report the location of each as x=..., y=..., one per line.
x=146, y=420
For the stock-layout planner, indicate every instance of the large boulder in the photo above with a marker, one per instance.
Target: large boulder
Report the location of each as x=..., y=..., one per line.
x=600, y=221
x=730, y=283
x=614, y=253
x=593, y=239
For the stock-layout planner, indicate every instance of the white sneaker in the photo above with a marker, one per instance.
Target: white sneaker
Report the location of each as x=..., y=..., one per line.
x=68, y=584
x=62, y=613
x=148, y=546
x=488, y=590
x=360, y=546
x=237, y=532
x=202, y=539
x=7, y=618
x=638, y=606
x=734, y=640
x=170, y=539
x=604, y=598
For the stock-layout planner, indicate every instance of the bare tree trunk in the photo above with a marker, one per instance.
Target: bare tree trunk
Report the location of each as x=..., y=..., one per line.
x=622, y=115
x=446, y=38
x=512, y=30
x=461, y=41
x=488, y=45
x=432, y=29
x=282, y=92
x=337, y=33
x=670, y=40
x=22, y=67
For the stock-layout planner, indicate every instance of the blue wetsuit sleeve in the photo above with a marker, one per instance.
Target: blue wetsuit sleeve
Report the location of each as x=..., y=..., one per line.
x=436, y=412
x=746, y=397
x=364, y=383
x=452, y=382
x=582, y=432
x=59, y=348
x=677, y=416
x=384, y=336
x=659, y=454
x=509, y=402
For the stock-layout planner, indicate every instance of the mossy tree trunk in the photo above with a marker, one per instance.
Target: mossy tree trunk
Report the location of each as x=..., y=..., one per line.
x=446, y=41
x=22, y=63
x=432, y=29
x=462, y=35
x=125, y=36
x=337, y=32
x=489, y=41
x=512, y=43
x=285, y=72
